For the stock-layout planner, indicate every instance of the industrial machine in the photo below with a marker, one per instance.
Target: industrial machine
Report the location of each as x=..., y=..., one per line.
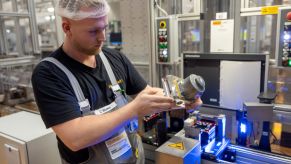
x=210, y=131
x=201, y=132
x=221, y=129
x=206, y=136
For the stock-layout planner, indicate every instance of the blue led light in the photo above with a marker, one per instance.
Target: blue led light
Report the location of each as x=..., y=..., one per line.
x=243, y=128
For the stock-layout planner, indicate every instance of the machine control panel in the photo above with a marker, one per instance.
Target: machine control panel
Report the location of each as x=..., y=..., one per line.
x=167, y=39
x=283, y=49
x=163, y=41
x=286, y=58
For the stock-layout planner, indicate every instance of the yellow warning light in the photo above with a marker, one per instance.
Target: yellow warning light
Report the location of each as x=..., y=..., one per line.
x=163, y=24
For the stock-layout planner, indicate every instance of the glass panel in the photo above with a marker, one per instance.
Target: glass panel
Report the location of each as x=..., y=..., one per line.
x=258, y=34
x=13, y=76
x=210, y=8
x=22, y=6
x=170, y=6
x=216, y=6
x=278, y=136
x=11, y=36
x=46, y=24
x=191, y=36
x=259, y=3
x=25, y=36
x=280, y=82
x=18, y=36
x=7, y=6
x=14, y=6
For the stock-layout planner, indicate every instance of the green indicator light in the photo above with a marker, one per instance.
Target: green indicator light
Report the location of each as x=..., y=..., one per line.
x=289, y=62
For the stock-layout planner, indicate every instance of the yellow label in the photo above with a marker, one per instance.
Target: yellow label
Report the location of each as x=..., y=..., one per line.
x=136, y=153
x=216, y=22
x=163, y=24
x=277, y=129
x=177, y=89
x=178, y=145
x=269, y=10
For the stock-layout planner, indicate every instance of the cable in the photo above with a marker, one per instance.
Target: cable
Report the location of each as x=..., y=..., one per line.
x=275, y=140
x=161, y=9
x=273, y=134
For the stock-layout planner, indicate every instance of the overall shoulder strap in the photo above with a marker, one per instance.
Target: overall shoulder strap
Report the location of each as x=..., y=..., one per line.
x=74, y=83
x=120, y=99
x=115, y=86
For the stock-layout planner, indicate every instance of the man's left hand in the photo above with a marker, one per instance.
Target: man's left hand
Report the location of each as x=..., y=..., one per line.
x=190, y=106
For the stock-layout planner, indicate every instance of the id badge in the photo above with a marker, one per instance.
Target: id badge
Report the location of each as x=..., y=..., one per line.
x=118, y=145
x=106, y=108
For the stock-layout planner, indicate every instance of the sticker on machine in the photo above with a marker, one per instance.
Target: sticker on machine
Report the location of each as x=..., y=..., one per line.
x=118, y=145
x=178, y=145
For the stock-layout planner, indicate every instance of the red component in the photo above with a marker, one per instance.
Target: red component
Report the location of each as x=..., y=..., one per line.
x=162, y=39
x=288, y=16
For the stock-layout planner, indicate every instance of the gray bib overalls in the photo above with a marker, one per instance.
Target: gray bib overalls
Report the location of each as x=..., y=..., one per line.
x=123, y=147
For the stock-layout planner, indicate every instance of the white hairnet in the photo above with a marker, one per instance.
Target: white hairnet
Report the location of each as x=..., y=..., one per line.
x=81, y=9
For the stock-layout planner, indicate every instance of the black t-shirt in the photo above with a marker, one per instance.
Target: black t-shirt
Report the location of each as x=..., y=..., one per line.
x=56, y=99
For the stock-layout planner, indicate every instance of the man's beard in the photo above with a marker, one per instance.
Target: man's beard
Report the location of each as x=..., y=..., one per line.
x=88, y=51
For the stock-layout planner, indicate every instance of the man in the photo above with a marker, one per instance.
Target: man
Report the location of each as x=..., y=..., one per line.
x=100, y=128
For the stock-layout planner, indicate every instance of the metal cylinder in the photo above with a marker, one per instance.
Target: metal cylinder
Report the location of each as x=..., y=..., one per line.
x=192, y=87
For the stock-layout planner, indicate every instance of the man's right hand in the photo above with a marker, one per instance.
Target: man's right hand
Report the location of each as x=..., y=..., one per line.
x=151, y=100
